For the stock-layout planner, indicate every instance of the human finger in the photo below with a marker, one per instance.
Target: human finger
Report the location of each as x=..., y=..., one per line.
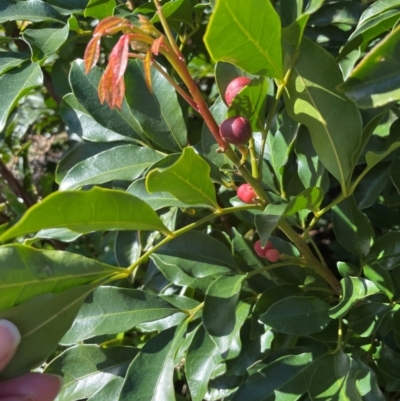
x=9, y=340
x=39, y=387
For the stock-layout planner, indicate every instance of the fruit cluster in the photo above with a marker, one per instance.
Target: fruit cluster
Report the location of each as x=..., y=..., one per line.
x=235, y=130
x=268, y=252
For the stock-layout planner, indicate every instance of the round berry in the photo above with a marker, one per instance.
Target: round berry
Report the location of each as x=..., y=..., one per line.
x=236, y=130
x=246, y=193
x=272, y=255
x=234, y=87
x=260, y=251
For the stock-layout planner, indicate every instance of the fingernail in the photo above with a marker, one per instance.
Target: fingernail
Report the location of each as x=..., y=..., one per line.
x=9, y=338
x=58, y=377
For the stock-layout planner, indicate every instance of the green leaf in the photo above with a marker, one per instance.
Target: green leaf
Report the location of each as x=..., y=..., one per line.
x=309, y=199
x=42, y=321
x=26, y=272
x=202, y=358
x=255, y=30
x=352, y=228
x=367, y=383
x=85, y=87
x=250, y=102
x=16, y=84
x=334, y=379
x=341, y=12
x=347, y=269
x=388, y=361
x=378, y=7
x=381, y=278
x=188, y=179
x=86, y=369
x=109, y=391
x=353, y=289
x=157, y=200
x=219, y=310
x=290, y=374
x=99, y=9
x=124, y=162
x=113, y=310
x=81, y=122
x=79, y=153
x=297, y=315
x=33, y=10
x=312, y=99
x=45, y=41
x=370, y=29
x=10, y=60
x=159, y=113
x=268, y=221
x=311, y=171
x=194, y=259
x=94, y=210
x=149, y=377
x=386, y=251
x=366, y=318
x=374, y=83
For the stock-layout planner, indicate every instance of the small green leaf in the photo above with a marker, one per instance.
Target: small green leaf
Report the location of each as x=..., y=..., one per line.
x=388, y=361
x=220, y=310
x=309, y=199
x=99, y=9
x=333, y=121
x=367, y=383
x=113, y=310
x=297, y=315
x=354, y=289
x=352, y=228
x=26, y=272
x=234, y=25
x=124, y=162
x=17, y=83
x=45, y=41
x=42, y=321
x=366, y=318
x=188, y=180
x=94, y=210
x=149, y=377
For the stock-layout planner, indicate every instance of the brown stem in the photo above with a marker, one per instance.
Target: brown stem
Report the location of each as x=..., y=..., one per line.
x=15, y=186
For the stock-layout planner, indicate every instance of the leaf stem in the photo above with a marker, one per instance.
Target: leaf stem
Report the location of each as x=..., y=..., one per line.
x=167, y=30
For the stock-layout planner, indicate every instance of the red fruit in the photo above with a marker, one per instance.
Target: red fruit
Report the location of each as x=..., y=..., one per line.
x=236, y=130
x=246, y=193
x=234, y=87
x=272, y=255
x=261, y=251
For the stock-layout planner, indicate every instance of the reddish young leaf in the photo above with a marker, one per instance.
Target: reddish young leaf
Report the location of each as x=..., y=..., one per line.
x=105, y=86
x=118, y=94
x=119, y=59
x=155, y=47
x=111, y=25
x=92, y=53
x=147, y=73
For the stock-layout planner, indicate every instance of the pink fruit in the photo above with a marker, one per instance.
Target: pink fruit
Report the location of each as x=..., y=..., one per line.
x=236, y=130
x=234, y=87
x=261, y=251
x=272, y=255
x=246, y=193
